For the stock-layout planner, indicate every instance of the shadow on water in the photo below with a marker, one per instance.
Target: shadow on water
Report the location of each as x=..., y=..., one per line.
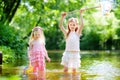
x=94, y=66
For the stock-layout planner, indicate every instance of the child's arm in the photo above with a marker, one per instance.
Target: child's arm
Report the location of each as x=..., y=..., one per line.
x=46, y=54
x=61, y=23
x=82, y=24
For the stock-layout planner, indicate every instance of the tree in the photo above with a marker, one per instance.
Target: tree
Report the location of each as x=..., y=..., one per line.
x=8, y=9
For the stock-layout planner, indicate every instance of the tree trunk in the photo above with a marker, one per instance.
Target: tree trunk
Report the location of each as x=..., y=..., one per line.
x=14, y=9
x=9, y=9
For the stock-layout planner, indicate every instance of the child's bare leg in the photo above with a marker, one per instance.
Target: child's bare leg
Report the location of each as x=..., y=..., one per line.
x=74, y=70
x=65, y=69
x=41, y=75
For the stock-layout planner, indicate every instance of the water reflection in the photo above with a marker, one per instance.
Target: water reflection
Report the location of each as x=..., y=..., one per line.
x=30, y=77
x=104, y=70
x=34, y=76
x=70, y=76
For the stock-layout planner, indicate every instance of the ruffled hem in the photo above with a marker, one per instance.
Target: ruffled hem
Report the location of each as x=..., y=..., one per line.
x=71, y=59
x=37, y=60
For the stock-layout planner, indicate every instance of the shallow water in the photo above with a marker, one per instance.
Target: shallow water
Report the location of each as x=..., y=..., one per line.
x=94, y=66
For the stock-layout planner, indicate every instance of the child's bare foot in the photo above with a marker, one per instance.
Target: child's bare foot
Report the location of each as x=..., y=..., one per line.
x=65, y=70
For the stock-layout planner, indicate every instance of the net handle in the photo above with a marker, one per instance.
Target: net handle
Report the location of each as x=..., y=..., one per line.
x=85, y=9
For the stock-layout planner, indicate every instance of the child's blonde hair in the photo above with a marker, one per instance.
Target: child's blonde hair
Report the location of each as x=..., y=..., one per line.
x=42, y=37
x=72, y=20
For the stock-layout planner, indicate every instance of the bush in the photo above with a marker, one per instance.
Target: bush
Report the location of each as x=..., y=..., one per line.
x=8, y=54
x=11, y=37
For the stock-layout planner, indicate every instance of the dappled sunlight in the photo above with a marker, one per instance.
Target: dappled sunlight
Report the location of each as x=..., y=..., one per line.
x=100, y=19
x=104, y=70
x=105, y=20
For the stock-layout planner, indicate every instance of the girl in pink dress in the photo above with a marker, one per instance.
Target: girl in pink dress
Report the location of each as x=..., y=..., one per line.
x=71, y=55
x=37, y=52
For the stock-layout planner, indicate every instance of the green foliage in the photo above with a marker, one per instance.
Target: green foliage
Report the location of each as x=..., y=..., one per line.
x=92, y=39
x=118, y=32
x=49, y=13
x=99, y=32
x=10, y=37
x=55, y=56
x=7, y=35
x=7, y=53
x=117, y=11
x=7, y=10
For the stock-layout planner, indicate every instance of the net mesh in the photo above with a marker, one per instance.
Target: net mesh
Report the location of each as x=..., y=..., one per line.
x=106, y=7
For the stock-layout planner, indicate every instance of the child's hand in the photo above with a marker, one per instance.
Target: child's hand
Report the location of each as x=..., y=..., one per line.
x=48, y=59
x=64, y=14
x=81, y=11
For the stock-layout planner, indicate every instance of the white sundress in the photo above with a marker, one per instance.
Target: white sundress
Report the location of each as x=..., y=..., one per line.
x=71, y=56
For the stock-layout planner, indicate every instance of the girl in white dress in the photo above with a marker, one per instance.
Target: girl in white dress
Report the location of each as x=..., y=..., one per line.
x=71, y=55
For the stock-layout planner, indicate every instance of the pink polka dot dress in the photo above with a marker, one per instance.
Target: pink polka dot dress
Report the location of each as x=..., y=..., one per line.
x=37, y=55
